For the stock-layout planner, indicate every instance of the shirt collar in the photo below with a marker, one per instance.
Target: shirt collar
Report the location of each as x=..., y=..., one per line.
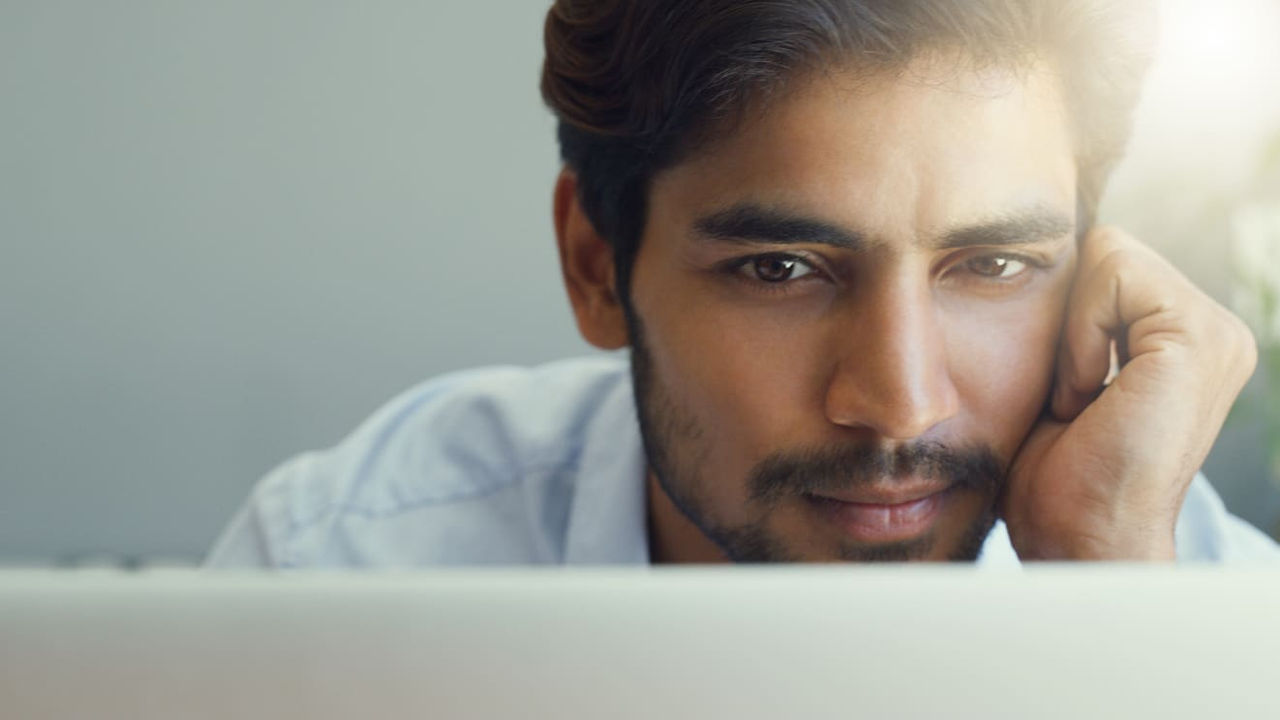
x=607, y=519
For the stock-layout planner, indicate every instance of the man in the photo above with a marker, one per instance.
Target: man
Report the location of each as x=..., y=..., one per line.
x=850, y=246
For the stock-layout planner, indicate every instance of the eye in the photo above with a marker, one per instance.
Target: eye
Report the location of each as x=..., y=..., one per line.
x=776, y=268
x=996, y=267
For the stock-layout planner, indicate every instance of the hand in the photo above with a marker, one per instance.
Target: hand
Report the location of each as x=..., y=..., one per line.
x=1104, y=473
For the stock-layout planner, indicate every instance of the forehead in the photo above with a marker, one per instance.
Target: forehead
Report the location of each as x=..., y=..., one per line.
x=895, y=156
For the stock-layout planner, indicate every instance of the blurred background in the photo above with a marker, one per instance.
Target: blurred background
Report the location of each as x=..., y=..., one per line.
x=229, y=231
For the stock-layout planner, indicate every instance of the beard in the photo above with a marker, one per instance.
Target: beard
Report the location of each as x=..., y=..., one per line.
x=790, y=476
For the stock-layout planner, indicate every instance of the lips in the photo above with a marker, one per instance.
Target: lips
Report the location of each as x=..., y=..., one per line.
x=879, y=515
x=895, y=494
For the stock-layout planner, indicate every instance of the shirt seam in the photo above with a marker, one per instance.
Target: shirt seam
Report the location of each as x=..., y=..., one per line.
x=341, y=509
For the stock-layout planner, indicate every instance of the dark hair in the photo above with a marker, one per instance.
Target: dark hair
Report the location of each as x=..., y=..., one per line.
x=635, y=84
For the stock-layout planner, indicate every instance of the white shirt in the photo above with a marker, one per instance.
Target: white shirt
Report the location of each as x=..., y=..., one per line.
x=537, y=465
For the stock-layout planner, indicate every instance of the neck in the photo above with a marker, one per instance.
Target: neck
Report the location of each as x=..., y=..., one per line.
x=673, y=538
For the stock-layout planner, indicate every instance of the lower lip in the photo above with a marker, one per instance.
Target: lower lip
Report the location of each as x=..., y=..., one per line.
x=882, y=523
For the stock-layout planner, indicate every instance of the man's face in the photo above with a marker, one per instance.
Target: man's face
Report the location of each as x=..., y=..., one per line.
x=845, y=314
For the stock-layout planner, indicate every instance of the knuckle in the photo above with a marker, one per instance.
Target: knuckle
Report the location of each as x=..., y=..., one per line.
x=1247, y=346
x=1100, y=241
x=1114, y=261
x=1106, y=236
x=1231, y=339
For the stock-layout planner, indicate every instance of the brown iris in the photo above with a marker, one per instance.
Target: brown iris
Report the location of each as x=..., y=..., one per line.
x=990, y=266
x=774, y=269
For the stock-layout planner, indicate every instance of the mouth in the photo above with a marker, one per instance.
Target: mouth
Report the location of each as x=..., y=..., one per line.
x=891, y=515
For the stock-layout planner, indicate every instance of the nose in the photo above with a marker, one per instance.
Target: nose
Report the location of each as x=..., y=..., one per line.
x=892, y=375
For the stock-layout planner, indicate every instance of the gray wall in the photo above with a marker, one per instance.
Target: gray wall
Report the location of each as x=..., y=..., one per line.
x=229, y=230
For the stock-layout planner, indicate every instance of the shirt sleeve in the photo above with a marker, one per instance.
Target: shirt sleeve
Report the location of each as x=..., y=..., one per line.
x=454, y=470
x=1207, y=532
x=258, y=534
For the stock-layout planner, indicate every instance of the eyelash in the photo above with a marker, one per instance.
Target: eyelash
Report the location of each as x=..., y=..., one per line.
x=739, y=267
x=1030, y=264
x=736, y=268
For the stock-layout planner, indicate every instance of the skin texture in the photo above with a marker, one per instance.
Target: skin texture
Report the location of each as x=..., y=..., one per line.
x=775, y=378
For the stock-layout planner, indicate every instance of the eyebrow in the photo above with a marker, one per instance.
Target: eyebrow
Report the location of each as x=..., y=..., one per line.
x=1027, y=227
x=748, y=222
x=753, y=223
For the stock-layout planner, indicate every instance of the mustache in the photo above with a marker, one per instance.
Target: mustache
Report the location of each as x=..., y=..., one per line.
x=815, y=471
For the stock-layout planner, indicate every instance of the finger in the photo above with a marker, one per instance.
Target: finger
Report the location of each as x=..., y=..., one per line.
x=1120, y=283
x=1084, y=348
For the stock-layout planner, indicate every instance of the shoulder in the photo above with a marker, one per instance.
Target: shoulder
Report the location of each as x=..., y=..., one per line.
x=473, y=466
x=1207, y=532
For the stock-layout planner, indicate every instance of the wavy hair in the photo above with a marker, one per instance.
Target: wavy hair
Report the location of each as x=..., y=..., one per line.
x=636, y=85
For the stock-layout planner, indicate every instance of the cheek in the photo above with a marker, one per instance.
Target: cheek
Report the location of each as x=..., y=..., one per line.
x=738, y=376
x=742, y=376
x=1002, y=366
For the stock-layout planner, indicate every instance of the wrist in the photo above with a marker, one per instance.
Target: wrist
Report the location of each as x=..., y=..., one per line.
x=1131, y=546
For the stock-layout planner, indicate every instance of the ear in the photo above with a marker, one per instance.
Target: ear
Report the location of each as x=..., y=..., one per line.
x=587, y=263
